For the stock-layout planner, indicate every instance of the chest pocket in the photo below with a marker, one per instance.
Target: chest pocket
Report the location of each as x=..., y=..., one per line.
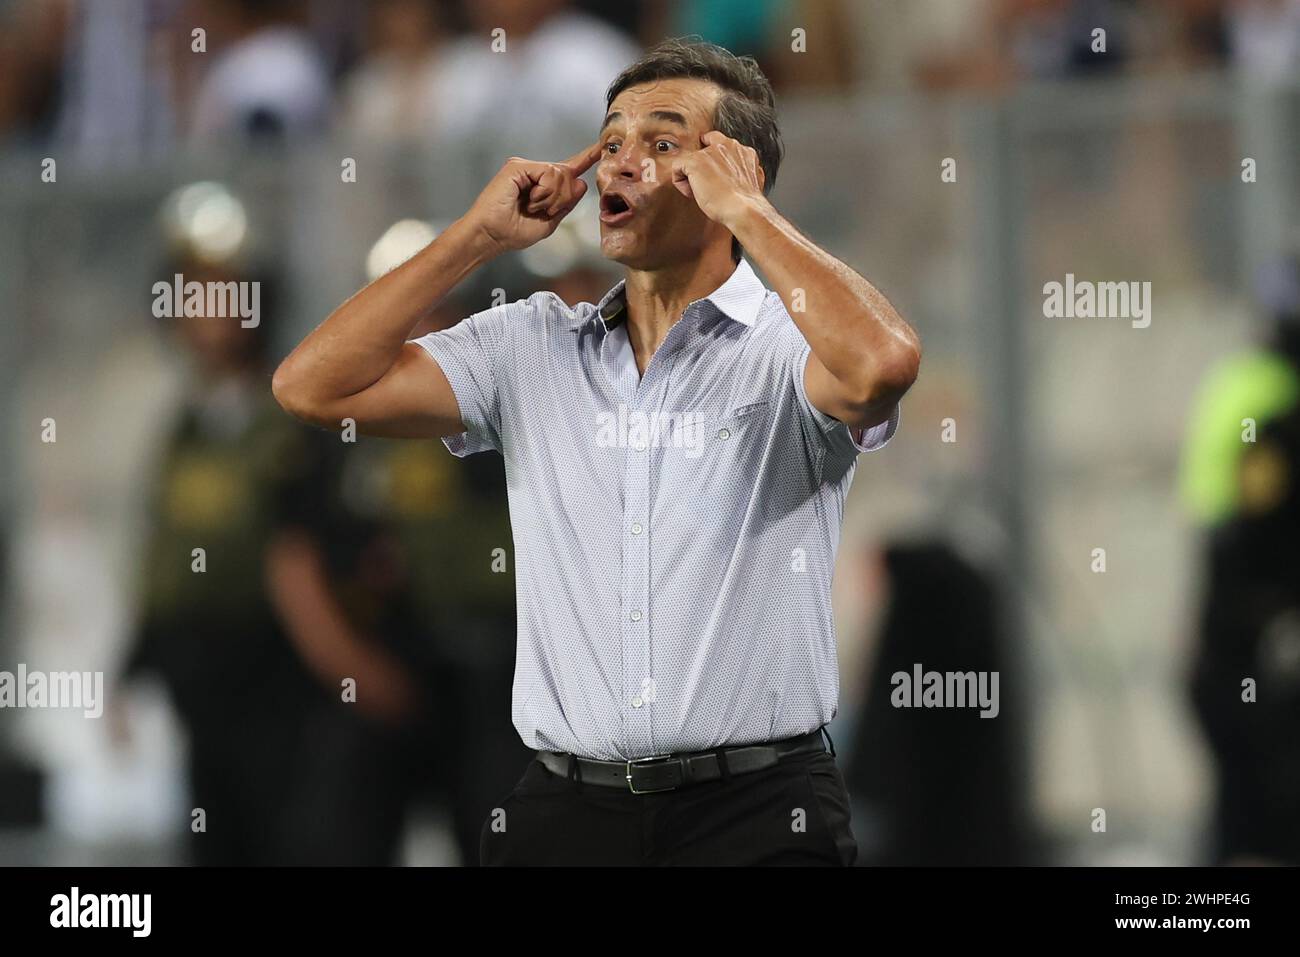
x=714, y=449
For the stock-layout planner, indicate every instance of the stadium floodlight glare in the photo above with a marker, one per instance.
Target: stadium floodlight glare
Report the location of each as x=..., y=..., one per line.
x=206, y=220
x=400, y=242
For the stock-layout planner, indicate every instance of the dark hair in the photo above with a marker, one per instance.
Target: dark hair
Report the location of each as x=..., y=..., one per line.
x=746, y=111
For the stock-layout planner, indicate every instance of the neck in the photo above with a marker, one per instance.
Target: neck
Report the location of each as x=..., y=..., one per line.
x=656, y=298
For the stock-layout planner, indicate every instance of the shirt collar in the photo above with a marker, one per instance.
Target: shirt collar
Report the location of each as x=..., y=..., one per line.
x=739, y=298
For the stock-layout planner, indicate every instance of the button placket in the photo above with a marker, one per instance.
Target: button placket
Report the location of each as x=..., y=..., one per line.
x=635, y=622
x=640, y=459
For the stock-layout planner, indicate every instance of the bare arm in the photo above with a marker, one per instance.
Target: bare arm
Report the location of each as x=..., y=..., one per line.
x=863, y=355
x=300, y=592
x=358, y=364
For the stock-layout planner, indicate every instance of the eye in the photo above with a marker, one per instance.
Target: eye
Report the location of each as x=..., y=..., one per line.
x=611, y=147
x=660, y=144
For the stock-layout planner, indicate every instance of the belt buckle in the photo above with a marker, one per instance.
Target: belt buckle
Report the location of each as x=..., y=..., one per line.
x=656, y=759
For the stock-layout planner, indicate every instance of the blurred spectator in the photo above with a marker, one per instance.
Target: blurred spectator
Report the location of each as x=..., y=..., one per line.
x=396, y=92
x=828, y=59
x=545, y=86
x=944, y=45
x=118, y=93
x=742, y=26
x=32, y=37
x=824, y=60
x=628, y=16
x=1264, y=36
x=934, y=44
x=1054, y=39
x=1189, y=35
x=268, y=78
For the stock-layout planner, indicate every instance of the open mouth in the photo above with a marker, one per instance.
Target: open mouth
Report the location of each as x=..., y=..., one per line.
x=615, y=209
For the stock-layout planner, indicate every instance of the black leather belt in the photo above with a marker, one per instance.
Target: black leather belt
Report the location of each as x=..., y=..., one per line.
x=671, y=771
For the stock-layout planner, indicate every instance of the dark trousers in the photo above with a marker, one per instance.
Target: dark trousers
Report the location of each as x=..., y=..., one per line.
x=309, y=785
x=795, y=813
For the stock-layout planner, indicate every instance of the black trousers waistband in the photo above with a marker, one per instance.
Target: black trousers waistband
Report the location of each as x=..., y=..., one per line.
x=673, y=771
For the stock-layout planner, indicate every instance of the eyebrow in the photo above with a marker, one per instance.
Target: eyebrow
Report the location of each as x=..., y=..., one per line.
x=666, y=116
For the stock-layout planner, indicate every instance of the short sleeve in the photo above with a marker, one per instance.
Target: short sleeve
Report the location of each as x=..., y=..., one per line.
x=469, y=354
x=838, y=437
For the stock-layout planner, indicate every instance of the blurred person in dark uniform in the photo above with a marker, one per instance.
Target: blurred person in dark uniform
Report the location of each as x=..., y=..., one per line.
x=454, y=539
x=940, y=786
x=452, y=529
x=1241, y=481
x=291, y=597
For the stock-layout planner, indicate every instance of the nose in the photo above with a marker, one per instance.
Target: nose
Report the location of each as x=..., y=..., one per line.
x=626, y=162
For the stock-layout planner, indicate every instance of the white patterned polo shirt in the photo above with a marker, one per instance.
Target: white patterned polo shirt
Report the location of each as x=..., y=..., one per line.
x=674, y=534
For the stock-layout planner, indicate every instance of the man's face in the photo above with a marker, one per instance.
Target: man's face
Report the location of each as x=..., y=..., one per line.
x=645, y=221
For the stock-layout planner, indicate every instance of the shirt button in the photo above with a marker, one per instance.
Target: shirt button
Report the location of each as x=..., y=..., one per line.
x=724, y=433
x=639, y=446
x=636, y=616
x=636, y=702
x=636, y=528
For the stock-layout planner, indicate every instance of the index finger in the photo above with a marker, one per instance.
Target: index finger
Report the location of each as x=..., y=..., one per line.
x=584, y=159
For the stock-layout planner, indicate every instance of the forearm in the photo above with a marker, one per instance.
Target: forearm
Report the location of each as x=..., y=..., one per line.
x=317, y=627
x=359, y=342
x=851, y=327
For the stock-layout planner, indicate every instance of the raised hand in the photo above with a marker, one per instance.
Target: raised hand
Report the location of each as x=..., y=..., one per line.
x=526, y=200
x=723, y=178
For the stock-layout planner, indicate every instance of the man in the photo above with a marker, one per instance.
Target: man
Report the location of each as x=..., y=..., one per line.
x=292, y=599
x=1238, y=481
x=677, y=458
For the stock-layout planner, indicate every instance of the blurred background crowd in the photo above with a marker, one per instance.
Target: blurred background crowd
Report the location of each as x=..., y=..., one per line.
x=959, y=153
